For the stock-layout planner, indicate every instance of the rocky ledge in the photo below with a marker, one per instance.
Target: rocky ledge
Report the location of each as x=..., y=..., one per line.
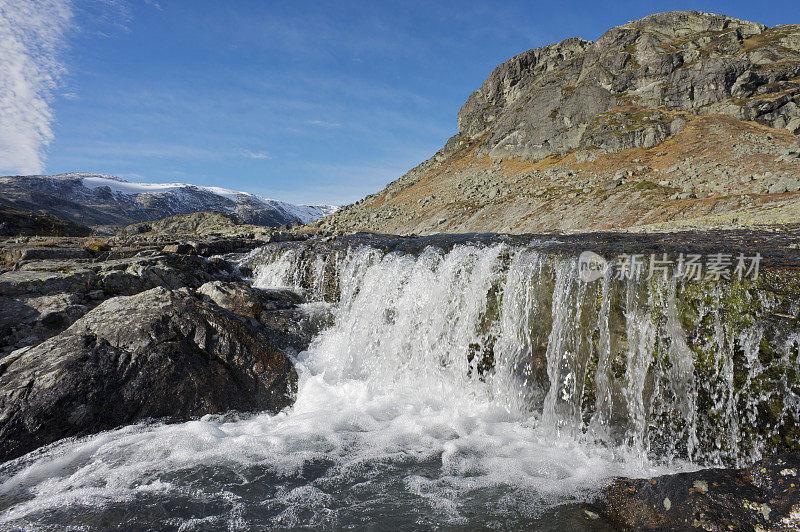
x=151, y=324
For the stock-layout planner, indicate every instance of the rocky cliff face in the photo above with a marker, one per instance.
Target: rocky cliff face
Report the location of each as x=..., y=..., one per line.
x=682, y=107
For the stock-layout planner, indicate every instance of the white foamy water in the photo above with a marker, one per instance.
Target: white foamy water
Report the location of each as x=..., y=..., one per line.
x=397, y=421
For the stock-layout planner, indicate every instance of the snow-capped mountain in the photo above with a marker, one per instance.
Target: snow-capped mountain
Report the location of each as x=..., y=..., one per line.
x=96, y=199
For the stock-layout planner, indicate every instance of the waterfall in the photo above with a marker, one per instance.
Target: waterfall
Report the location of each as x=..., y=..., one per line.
x=462, y=384
x=650, y=368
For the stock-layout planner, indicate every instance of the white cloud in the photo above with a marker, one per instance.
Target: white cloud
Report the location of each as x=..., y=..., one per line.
x=257, y=154
x=323, y=123
x=31, y=41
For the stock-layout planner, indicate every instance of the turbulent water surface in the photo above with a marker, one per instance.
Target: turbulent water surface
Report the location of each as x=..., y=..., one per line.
x=479, y=386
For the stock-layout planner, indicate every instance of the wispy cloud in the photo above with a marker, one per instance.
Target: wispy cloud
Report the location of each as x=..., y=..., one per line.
x=257, y=154
x=31, y=40
x=323, y=123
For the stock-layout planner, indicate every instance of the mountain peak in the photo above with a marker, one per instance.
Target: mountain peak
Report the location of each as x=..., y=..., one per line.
x=693, y=103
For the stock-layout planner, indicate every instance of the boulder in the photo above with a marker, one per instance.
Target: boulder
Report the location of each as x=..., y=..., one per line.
x=43, y=297
x=785, y=184
x=290, y=326
x=165, y=354
x=182, y=248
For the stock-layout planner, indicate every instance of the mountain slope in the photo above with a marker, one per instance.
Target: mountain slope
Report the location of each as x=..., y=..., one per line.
x=679, y=118
x=14, y=222
x=94, y=199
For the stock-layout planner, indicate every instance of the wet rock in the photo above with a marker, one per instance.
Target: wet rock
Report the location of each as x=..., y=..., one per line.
x=765, y=496
x=158, y=354
x=289, y=326
x=244, y=300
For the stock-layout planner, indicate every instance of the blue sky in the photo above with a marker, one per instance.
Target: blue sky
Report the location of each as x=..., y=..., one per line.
x=311, y=102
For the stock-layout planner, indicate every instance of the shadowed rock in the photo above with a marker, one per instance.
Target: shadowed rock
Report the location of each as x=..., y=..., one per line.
x=288, y=326
x=158, y=354
x=15, y=222
x=765, y=496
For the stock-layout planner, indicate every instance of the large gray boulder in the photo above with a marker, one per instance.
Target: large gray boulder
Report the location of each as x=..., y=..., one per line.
x=289, y=326
x=162, y=353
x=44, y=296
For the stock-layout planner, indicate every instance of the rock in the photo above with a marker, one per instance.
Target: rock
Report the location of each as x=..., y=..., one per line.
x=162, y=354
x=785, y=184
x=289, y=326
x=609, y=185
x=181, y=248
x=17, y=283
x=284, y=236
x=560, y=88
x=96, y=295
x=684, y=195
x=31, y=291
x=765, y=496
x=676, y=126
x=244, y=300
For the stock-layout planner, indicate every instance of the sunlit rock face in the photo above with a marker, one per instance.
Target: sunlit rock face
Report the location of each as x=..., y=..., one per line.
x=678, y=119
x=631, y=87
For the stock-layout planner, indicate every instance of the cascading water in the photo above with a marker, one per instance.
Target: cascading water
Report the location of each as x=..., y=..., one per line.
x=484, y=385
x=608, y=361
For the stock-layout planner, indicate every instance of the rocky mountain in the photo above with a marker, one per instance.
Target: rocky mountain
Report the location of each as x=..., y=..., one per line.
x=94, y=200
x=677, y=119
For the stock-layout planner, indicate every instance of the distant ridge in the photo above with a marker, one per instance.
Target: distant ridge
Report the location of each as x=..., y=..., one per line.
x=98, y=199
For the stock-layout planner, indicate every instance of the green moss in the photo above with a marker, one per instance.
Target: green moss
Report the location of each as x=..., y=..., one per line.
x=631, y=51
x=645, y=185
